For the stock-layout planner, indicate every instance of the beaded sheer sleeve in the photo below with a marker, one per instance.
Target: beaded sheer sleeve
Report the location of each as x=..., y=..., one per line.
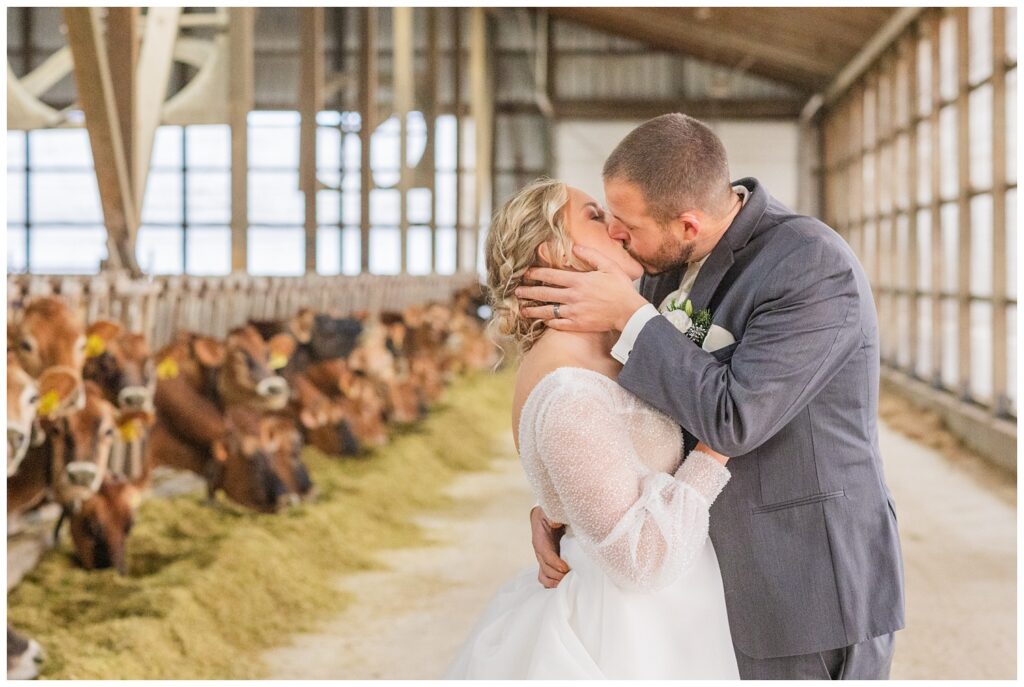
x=607, y=465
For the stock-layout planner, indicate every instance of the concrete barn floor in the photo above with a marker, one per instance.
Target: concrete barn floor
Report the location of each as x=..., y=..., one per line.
x=958, y=527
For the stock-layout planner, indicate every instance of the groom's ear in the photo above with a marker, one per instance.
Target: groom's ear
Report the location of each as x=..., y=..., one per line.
x=690, y=223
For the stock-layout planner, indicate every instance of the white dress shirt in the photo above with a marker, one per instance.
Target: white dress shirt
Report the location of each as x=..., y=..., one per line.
x=624, y=346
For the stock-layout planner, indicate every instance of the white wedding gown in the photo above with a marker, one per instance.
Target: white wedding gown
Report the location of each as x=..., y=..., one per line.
x=644, y=597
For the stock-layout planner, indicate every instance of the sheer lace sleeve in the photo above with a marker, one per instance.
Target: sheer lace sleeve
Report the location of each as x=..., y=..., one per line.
x=644, y=527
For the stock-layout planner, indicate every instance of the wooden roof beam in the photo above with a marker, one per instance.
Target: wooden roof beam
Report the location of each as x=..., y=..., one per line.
x=96, y=96
x=669, y=30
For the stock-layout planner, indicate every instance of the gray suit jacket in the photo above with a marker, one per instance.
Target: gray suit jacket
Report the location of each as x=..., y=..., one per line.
x=806, y=530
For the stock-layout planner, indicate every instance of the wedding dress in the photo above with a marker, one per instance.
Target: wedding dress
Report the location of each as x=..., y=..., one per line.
x=643, y=597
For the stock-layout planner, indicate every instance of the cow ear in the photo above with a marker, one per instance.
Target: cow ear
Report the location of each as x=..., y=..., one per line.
x=308, y=419
x=104, y=329
x=282, y=346
x=250, y=444
x=302, y=325
x=219, y=451
x=210, y=352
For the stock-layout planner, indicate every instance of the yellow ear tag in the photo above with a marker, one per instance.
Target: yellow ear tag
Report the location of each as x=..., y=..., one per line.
x=129, y=432
x=94, y=346
x=278, y=360
x=167, y=369
x=48, y=403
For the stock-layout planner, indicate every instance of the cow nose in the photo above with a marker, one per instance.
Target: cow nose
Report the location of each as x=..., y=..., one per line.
x=82, y=473
x=272, y=387
x=347, y=439
x=134, y=398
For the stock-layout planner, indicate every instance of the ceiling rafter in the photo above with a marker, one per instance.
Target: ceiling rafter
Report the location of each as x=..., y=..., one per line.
x=802, y=47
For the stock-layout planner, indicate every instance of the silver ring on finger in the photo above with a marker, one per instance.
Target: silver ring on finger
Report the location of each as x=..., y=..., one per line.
x=555, y=310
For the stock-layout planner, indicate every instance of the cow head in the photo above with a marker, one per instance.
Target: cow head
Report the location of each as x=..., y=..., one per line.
x=22, y=399
x=372, y=356
x=120, y=363
x=403, y=402
x=280, y=435
x=247, y=376
x=48, y=336
x=331, y=337
x=79, y=446
x=301, y=326
x=100, y=528
x=253, y=472
x=322, y=426
x=363, y=408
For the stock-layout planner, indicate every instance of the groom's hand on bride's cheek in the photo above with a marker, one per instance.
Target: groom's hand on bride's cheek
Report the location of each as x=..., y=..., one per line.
x=598, y=301
x=546, y=538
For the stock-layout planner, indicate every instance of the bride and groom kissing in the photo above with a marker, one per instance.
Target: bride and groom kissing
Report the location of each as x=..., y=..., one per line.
x=704, y=452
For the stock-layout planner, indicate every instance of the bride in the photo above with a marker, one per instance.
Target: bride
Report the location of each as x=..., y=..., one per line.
x=643, y=597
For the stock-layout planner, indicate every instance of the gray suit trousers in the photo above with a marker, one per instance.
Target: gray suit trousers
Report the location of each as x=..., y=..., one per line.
x=868, y=660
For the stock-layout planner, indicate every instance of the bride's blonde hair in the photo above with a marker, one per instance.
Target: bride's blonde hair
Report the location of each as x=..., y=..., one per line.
x=534, y=217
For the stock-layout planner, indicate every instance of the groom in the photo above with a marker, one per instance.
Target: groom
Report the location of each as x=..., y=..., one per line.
x=805, y=531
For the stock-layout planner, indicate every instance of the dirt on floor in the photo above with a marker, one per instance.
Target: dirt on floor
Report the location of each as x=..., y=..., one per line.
x=408, y=621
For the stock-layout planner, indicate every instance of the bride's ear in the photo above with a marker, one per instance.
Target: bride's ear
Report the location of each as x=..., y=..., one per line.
x=544, y=254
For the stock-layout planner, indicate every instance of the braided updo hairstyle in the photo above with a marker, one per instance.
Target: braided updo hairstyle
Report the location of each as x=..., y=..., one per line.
x=535, y=216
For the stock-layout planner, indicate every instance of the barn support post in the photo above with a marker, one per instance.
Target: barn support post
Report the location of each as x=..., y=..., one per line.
x=311, y=101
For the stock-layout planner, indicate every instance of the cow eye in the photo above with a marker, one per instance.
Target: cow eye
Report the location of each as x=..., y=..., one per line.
x=254, y=367
x=33, y=399
x=109, y=432
x=26, y=345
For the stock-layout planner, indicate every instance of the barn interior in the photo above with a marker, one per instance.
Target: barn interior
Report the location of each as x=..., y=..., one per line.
x=197, y=169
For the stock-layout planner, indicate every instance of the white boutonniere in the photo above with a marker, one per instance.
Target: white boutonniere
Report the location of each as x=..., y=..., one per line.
x=697, y=328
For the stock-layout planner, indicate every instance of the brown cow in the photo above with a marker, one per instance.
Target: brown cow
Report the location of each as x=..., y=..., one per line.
x=469, y=346
x=246, y=377
x=120, y=362
x=209, y=400
x=283, y=438
x=79, y=447
x=362, y=406
x=324, y=426
x=262, y=469
x=29, y=486
x=71, y=460
x=190, y=429
x=48, y=335
x=23, y=653
x=374, y=358
x=100, y=528
x=355, y=399
x=22, y=399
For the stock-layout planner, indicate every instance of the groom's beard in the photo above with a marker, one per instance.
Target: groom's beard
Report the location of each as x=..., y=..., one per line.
x=672, y=255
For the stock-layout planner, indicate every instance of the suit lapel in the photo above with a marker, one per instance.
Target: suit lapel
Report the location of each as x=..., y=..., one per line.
x=710, y=275
x=736, y=237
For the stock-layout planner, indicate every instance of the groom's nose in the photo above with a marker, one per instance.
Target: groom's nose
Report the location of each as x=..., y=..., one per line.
x=617, y=230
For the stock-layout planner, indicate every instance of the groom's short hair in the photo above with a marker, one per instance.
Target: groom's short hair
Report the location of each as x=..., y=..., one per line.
x=677, y=162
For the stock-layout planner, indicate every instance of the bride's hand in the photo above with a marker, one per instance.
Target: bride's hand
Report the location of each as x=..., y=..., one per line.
x=546, y=538
x=704, y=448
